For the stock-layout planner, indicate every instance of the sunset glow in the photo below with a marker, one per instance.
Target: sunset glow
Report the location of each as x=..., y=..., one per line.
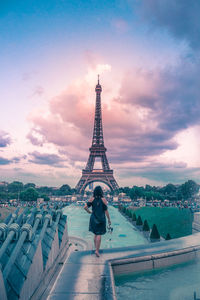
x=50, y=55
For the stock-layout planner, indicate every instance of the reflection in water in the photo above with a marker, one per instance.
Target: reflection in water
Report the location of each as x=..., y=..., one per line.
x=175, y=283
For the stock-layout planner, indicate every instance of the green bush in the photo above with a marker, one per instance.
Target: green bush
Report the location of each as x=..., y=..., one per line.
x=129, y=213
x=177, y=222
x=154, y=233
x=134, y=217
x=139, y=221
x=168, y=237
x=145, y=226
x=120, y=207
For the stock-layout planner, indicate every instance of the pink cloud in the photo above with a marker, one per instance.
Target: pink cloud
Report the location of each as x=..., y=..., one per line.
x=5, y=139
x=69, y=122
x=139, y=122
x=72, y=108
x=53, y=130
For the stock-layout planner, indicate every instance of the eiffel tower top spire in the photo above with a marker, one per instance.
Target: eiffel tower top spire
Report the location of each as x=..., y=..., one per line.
x=98, y=88
x=98, y=128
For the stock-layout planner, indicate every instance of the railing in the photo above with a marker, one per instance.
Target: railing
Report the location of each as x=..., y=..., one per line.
x=13, y=232
x=195, y=296
x=26, y=233
x=29, y=250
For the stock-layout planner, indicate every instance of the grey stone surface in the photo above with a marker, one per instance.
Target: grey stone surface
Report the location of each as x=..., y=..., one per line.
x=34, y=275
x=196, y=222
x=84, y=276
x=3, y=295
x=75, y=296
x=35, y=260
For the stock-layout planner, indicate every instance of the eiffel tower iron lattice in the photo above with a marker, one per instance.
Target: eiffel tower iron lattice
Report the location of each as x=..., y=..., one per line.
x=89, y=174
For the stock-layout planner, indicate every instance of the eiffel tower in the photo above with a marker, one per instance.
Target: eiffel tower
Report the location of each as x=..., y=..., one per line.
x=89, y=174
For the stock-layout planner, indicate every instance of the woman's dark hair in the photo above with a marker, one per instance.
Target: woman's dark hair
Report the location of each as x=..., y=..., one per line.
x=98, y=192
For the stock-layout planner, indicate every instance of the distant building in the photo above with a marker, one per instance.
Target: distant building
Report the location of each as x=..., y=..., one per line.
x=90, y=186
x=115, y=199
x=66, y=198
x=40, y=201
x=142, y=202
x=73, y=198
x=124, y=198
x=3, y=183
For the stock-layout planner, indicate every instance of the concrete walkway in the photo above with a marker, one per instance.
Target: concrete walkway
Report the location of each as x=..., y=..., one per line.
x=86, y=277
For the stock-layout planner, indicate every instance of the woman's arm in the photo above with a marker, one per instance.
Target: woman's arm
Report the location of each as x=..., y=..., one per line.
x=106, y=211
x=86, y=207
x=108, y=217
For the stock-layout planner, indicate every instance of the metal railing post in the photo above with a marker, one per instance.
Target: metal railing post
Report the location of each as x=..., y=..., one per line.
x=25, y=230
x=13, y=230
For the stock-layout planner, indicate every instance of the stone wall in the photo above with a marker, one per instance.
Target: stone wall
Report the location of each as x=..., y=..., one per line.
x=196, y=222
x=29, y=262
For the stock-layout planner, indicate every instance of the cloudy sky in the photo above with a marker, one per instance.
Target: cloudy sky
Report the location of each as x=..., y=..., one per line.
x=148, y=56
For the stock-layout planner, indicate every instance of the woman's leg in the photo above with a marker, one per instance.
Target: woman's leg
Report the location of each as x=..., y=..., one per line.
x=98, y=243
x=95, y=241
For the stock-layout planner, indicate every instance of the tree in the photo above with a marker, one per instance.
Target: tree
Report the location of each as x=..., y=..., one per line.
x=148, y=188
x=28, y=185
x=149, y=195
x=3, y=188
x=15, y=187
x=129, y=213
x=132, y=194
x=139, y=221
x=169, y=189
x=155, y=235
x=64, y=190
x=124, y=209
x=45, y=190
x=120, y=190
x=126, y=190
x=179, y=193
x=3, y=196
x=45, y=197
x=189, y=189
x=134, y=217
x=168, y=237
x=145, y=226
x=157, y=196
x=136, y=192
x=29, y=194
x=139, y=191
x=73, y=191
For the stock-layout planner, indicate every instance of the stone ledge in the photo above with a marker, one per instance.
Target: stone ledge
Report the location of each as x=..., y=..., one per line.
x=84, y=265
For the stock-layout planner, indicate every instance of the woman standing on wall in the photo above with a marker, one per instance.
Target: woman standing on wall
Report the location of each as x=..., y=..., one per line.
x=98, y=220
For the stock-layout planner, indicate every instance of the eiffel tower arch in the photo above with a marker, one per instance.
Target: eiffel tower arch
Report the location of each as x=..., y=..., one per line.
x=105, y=174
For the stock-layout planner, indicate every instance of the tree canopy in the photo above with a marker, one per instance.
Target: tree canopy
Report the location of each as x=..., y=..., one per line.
x=29, y=194
x=172, y=192
x=15, y=187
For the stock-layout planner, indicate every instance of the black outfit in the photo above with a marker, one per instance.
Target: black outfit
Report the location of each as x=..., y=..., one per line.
x=97, y=219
